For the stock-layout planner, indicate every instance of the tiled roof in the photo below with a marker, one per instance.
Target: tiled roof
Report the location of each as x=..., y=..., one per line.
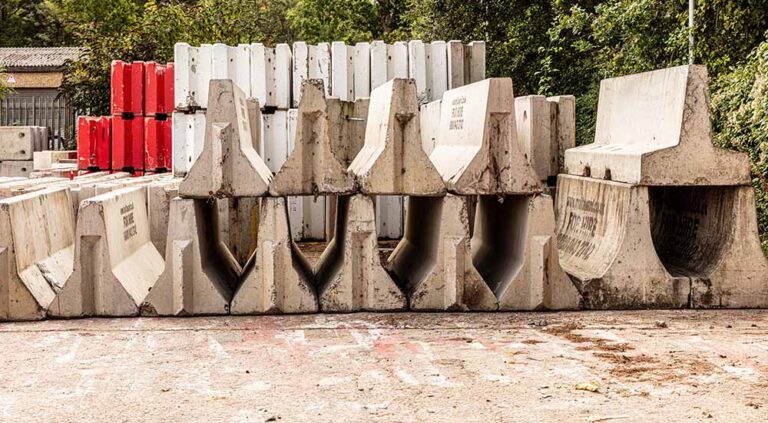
x=37, y=58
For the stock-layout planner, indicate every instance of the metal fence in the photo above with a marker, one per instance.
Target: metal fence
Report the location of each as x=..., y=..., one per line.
x=41, y=108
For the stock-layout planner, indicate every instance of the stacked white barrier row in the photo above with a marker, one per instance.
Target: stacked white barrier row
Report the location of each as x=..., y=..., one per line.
x=274, y=76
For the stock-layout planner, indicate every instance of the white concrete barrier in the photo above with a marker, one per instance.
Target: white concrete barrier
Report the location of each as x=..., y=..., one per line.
x=200, y=274
x=277, y=279
x=37, y=234
x=116, y=263
x=20, y=142
x=653, y=129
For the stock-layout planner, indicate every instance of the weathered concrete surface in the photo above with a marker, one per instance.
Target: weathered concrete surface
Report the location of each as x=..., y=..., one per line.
x=348, y=125
x=349, y=274
x=228, y=166
x=159, y=196
x=651, y=247
x=115, y=262
x=277, y=279
x=477, y=151
x=13, y=186
x=653, y=128
x=42, y=160
x=37, y=241
x=312, y=168
x=20, y=142
x=514, y=249
x=563, y=108
x=21, y=168
x=200, y=274
x=433, y=261
x=406, y=367
x=392, y=160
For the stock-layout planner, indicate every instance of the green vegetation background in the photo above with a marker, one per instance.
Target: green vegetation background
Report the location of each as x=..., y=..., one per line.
x=547, y=46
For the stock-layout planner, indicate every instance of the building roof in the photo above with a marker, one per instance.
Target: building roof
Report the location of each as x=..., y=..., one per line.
x=37, y=58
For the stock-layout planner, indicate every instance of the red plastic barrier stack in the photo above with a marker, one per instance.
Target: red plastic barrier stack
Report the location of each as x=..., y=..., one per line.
x=127, y=144
x=127, y=89
x=94, y=143
x=157, y=145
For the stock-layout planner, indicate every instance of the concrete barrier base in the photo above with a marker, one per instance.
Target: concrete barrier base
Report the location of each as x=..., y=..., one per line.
x=433, y=261
x=200, y=274
x=349, y=273
x=277, y=279
x=630, y=246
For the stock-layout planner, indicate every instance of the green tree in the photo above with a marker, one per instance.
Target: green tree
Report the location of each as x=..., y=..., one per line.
x=740, y=111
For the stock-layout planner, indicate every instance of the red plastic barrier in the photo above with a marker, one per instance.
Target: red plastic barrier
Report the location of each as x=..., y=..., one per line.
x=127, y=144
x=158, y=100
x=157, y=144
x=94, y=143
x=127, y=88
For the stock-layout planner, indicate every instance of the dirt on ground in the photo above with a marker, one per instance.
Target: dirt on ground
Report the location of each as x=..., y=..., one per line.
x=642, y=366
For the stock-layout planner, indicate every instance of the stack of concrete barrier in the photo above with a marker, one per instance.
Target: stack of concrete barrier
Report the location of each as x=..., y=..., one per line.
x=81, y=246
x=652, y=214
x=510, y=262
x=17, y=146
x=274, y=77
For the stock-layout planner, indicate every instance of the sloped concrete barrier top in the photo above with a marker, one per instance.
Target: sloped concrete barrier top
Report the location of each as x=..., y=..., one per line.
x=228, y=166
x=653, y=128
x=477, y=152
x=392, y=160
x=312, y=168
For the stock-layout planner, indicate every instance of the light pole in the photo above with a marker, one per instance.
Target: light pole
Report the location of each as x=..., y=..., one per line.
x=691, y=12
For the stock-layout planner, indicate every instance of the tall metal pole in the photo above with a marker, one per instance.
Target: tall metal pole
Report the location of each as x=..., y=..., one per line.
x=691, y=12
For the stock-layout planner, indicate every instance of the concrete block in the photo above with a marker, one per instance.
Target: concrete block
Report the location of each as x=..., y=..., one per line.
x=397, y=60
x=630, y=246
x=392, y=160
x=159, y=196
x=116, y=264
x=300, y=69
x=186, y=80
x=262, y=73
x=319, y=65
x=242, y=67
x=379, y=64
x=347, y=127
x=37, y=236
x=228, y=166
x=278, y=279
x=20, y=142
x=437, y=70
x=477, y=151
x=653, y=128
x=282, y=88
x=563, y=127
x=21, y=168
x=204, y=73
x=275, y=142
x=42, y=160
x=430, y=125
x=14, y=187
x=362, y=70
x=349, y=274
x=433, y=261
x=455, y=51
x=200, y=274
x=389, y=216
x=312, y=168
x=342, y=71
x=188, y=139
x=515, y=251
x=534, y=132
x=474, y=62
x=417, y=68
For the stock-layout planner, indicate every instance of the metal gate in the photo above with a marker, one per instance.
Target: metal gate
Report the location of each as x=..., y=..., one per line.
x=36, y=107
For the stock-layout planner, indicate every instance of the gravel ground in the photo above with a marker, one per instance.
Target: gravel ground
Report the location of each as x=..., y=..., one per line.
x=643, y=366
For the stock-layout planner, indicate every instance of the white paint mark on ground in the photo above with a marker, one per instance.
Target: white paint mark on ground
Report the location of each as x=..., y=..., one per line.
x=406, y=377
x=71, y=353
